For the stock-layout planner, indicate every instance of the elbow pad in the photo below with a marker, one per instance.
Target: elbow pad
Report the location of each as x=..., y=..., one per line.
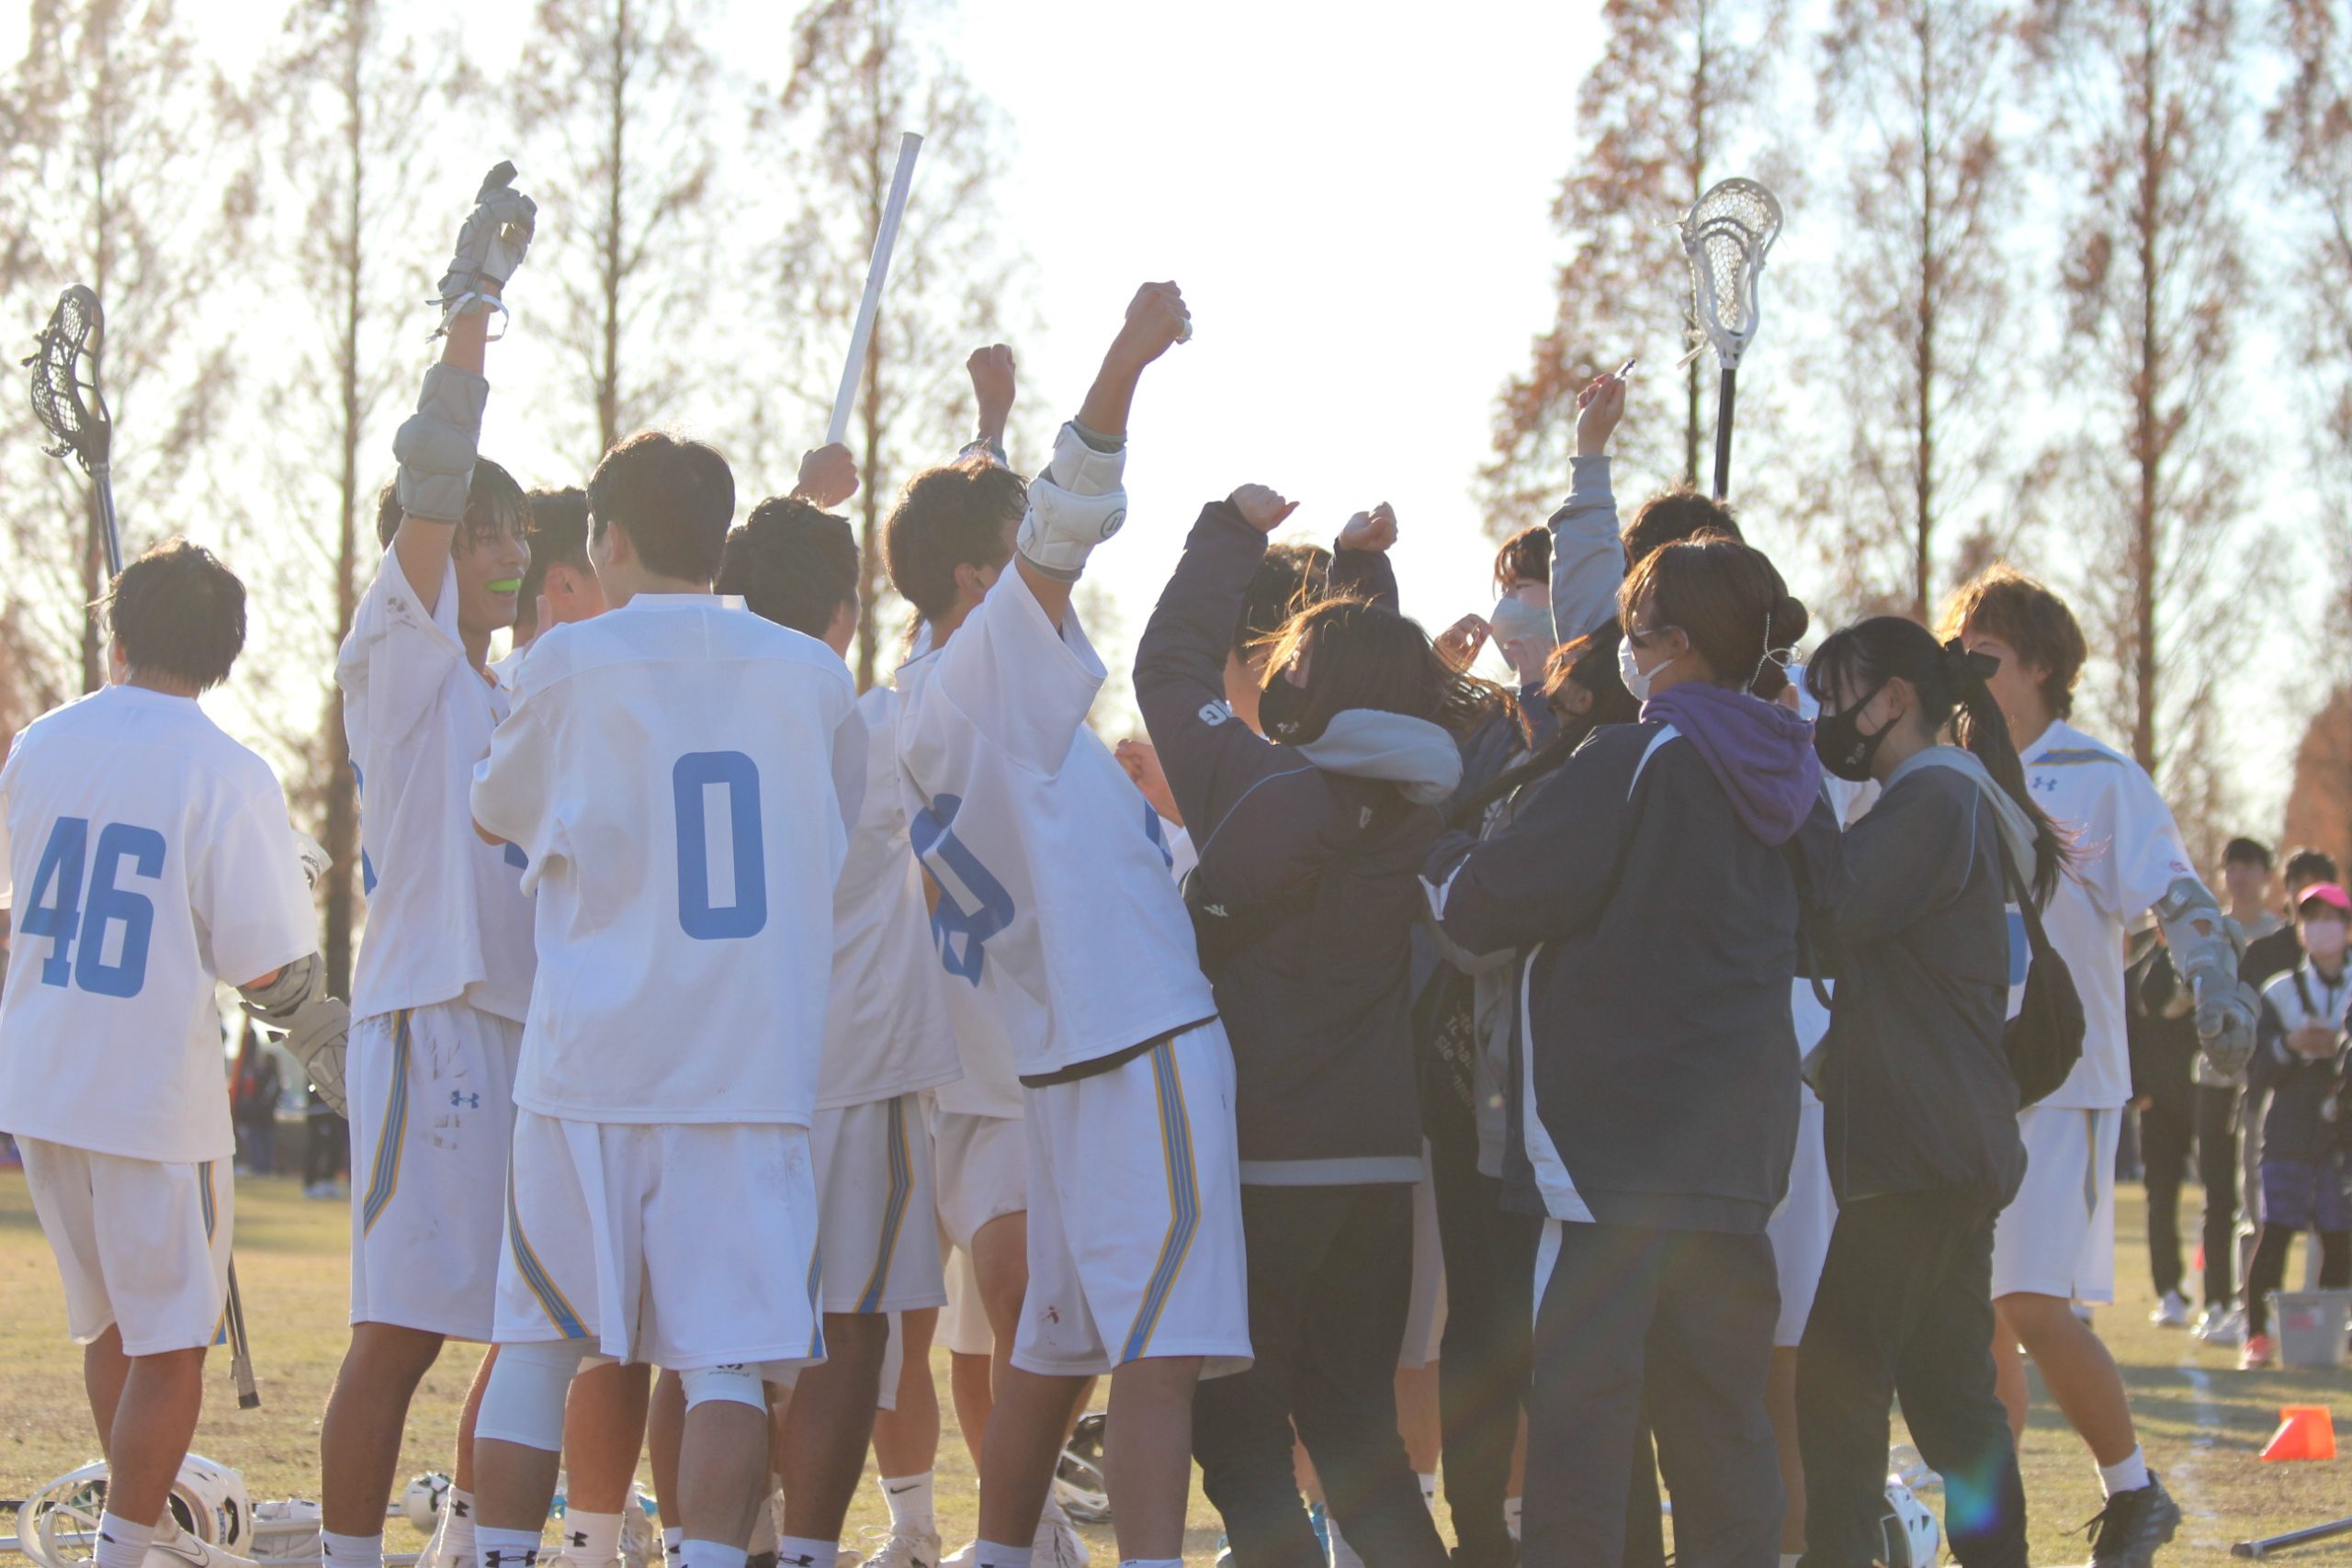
x=435, y=444
x=2205, y=950
x=1074, y=505
x=316, y=1026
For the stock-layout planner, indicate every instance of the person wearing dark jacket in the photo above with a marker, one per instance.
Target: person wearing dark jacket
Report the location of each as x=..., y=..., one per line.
x=1306, y=895
x=1921, y=1129
x=2177, y=1113
x=1651, y=889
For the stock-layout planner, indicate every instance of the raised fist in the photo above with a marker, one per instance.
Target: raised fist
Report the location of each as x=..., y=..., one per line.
x=1262, y=508
x=1375, y=530
x=1157, y=320
x=1599, y=408
x=1460, y=643
x=992, y=371
x=828, y=476
x=494, y=238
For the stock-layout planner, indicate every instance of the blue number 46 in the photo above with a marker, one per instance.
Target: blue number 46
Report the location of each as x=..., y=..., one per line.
x=77, y=930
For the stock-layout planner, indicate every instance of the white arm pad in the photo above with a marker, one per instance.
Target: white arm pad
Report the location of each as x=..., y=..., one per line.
x=2205, y=951
x=435, y=444
x=1074, y=505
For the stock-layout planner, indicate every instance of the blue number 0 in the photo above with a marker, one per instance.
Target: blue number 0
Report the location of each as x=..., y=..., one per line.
x=973, y=905
x=749, y=913
x=57, y=911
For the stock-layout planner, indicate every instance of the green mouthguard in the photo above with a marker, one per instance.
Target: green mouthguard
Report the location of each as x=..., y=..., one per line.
x=506, y=585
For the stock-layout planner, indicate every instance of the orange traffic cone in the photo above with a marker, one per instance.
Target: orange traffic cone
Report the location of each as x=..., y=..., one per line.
x=2305, y=1431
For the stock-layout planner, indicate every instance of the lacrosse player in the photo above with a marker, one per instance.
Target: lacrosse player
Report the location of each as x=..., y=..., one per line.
x=680, y=777
x=559, y=586
x=146, y=857
x=1056, y=907
x=2054, y=1245
x=888, y=1039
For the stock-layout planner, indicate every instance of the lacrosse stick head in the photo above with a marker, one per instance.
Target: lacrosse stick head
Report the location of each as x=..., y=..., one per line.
x=67, y=400
x=1725, y=234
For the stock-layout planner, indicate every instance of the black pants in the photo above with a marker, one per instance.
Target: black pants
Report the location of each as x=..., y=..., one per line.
x=1330, y=1283
x=1905, y=1309
x=2208, y=1119
x=1483, y=1359
x=2268, y=1270
x=1681, y=1323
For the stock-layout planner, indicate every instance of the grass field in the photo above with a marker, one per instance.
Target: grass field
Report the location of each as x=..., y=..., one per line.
x=2203, y=1422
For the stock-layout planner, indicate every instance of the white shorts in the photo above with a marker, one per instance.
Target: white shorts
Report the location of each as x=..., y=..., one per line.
x=432, y=1118
x=685, y=1246
x=963, y=1322
x=140, y=1244
x=1135, y=1215
x=876, y=1239
x=1425, y=1317
x=981, y=1168
x=1800, y=1227
x=2057, y=1237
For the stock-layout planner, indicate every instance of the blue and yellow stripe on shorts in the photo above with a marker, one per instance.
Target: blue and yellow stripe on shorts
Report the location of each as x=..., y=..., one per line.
x=816, y=1306
x=210, y=1208
x=1184, y=1198
x=535, y=1274
x=894, y=1212
x=384, y=1170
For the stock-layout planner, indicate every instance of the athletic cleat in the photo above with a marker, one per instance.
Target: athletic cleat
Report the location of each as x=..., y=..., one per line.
x=2128, y=1531
x=1058, y=1545
x=903, y=1549
x=2172, y=1311
x=2225, y=1327
x=2258, y=1354
x=178, y=1548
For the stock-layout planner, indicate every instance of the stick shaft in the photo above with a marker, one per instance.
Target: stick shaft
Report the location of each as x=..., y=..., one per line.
x=2292, y=1538
x=1723, y=433
x=241, y=1353
x=102, y=479
x=877, y=272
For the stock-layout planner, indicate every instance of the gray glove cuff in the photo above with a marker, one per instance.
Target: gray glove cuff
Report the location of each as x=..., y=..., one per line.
x=435, y=444
x=277, y=1003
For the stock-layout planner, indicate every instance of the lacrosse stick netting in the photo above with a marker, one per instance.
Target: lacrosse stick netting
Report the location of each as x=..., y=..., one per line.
x=1726, y=235
x=74, y=410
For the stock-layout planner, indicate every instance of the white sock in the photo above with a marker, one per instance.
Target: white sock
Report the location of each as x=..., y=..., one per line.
x=910, y=1502
x=592, y=1539
x=2128, y=1475
x=353, y=1551
x=1791, y=1559
x=123, y=1544
x=1429, y=1489
x=1511, y=1516
x=710, y=1554
x=995, y=1554
x=799, y=1551
x=1342, y=1554
x=458, y=1526
x=671, y=1540
x=503, y=1549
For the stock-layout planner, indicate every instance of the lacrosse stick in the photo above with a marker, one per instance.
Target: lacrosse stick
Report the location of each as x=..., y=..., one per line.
x=241, y=1349
x=2269, y=1544
x=877, y=272
x=1726, y=235
x=79, y=428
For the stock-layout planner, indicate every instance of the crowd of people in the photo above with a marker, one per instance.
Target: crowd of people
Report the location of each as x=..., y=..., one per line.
x=1746, y=1039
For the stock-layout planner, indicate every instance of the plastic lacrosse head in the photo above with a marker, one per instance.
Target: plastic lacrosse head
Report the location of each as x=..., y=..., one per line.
x=1726, y=235
x=72, y=409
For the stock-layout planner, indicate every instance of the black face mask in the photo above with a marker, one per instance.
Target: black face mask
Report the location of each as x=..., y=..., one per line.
x=1844, y=750
x=1281, y=711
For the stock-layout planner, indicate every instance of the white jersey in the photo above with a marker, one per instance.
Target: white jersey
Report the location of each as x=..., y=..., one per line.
x=446, y=916
x=887, y=1031
x=681, y=775
x=146, y=857
x=1052, y=867
x=2131, y=853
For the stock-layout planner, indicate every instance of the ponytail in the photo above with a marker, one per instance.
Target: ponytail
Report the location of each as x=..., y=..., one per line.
x=1985, y=730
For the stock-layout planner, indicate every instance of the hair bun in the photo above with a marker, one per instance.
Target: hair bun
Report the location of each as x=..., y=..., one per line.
x=1790, y=620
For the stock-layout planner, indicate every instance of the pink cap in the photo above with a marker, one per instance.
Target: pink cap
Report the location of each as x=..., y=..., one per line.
x=2326, y=892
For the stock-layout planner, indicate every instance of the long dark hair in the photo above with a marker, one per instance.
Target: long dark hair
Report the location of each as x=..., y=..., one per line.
x=1589, y=664
x=1948, y=680
x=1368, y=655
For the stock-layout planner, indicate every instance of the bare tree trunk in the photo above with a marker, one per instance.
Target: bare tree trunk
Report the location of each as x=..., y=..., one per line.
x=2148, y=442
x=608, y=373
x=341, y=786
x=1924, y=466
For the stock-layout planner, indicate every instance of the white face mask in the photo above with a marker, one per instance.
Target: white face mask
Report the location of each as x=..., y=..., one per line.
x=2323, y=940
x=1637, y=680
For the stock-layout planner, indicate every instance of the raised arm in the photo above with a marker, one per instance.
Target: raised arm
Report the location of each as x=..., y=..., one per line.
x=995, y=380
x=1360, y=564
x=437, y=445
x=1587, y=559
x=1076, y=502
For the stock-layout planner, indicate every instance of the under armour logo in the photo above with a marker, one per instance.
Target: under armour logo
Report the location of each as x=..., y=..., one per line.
x=470, y=1102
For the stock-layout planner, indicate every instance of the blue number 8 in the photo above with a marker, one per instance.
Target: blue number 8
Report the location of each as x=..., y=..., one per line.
x=748, y=915
x=973, y=905
x=57, y=912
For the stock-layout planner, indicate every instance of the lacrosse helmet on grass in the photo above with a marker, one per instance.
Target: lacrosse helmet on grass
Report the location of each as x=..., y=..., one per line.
x=57, y=1526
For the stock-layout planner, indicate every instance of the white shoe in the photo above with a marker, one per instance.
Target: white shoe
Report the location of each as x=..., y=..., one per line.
x=2172, y=1311
x=962, y=1557
x=178, y=1548
x=903, y=1549
x=1059, y=1545
x=2226, y=1329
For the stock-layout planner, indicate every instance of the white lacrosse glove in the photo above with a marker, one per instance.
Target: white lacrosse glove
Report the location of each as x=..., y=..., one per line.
x=491, y=245
x=2205, y=950
x=1074, y=505
x=316, y=862
x=317, y=1026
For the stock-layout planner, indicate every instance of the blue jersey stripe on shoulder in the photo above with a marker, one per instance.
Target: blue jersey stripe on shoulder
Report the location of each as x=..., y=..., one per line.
x=2073, y=757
